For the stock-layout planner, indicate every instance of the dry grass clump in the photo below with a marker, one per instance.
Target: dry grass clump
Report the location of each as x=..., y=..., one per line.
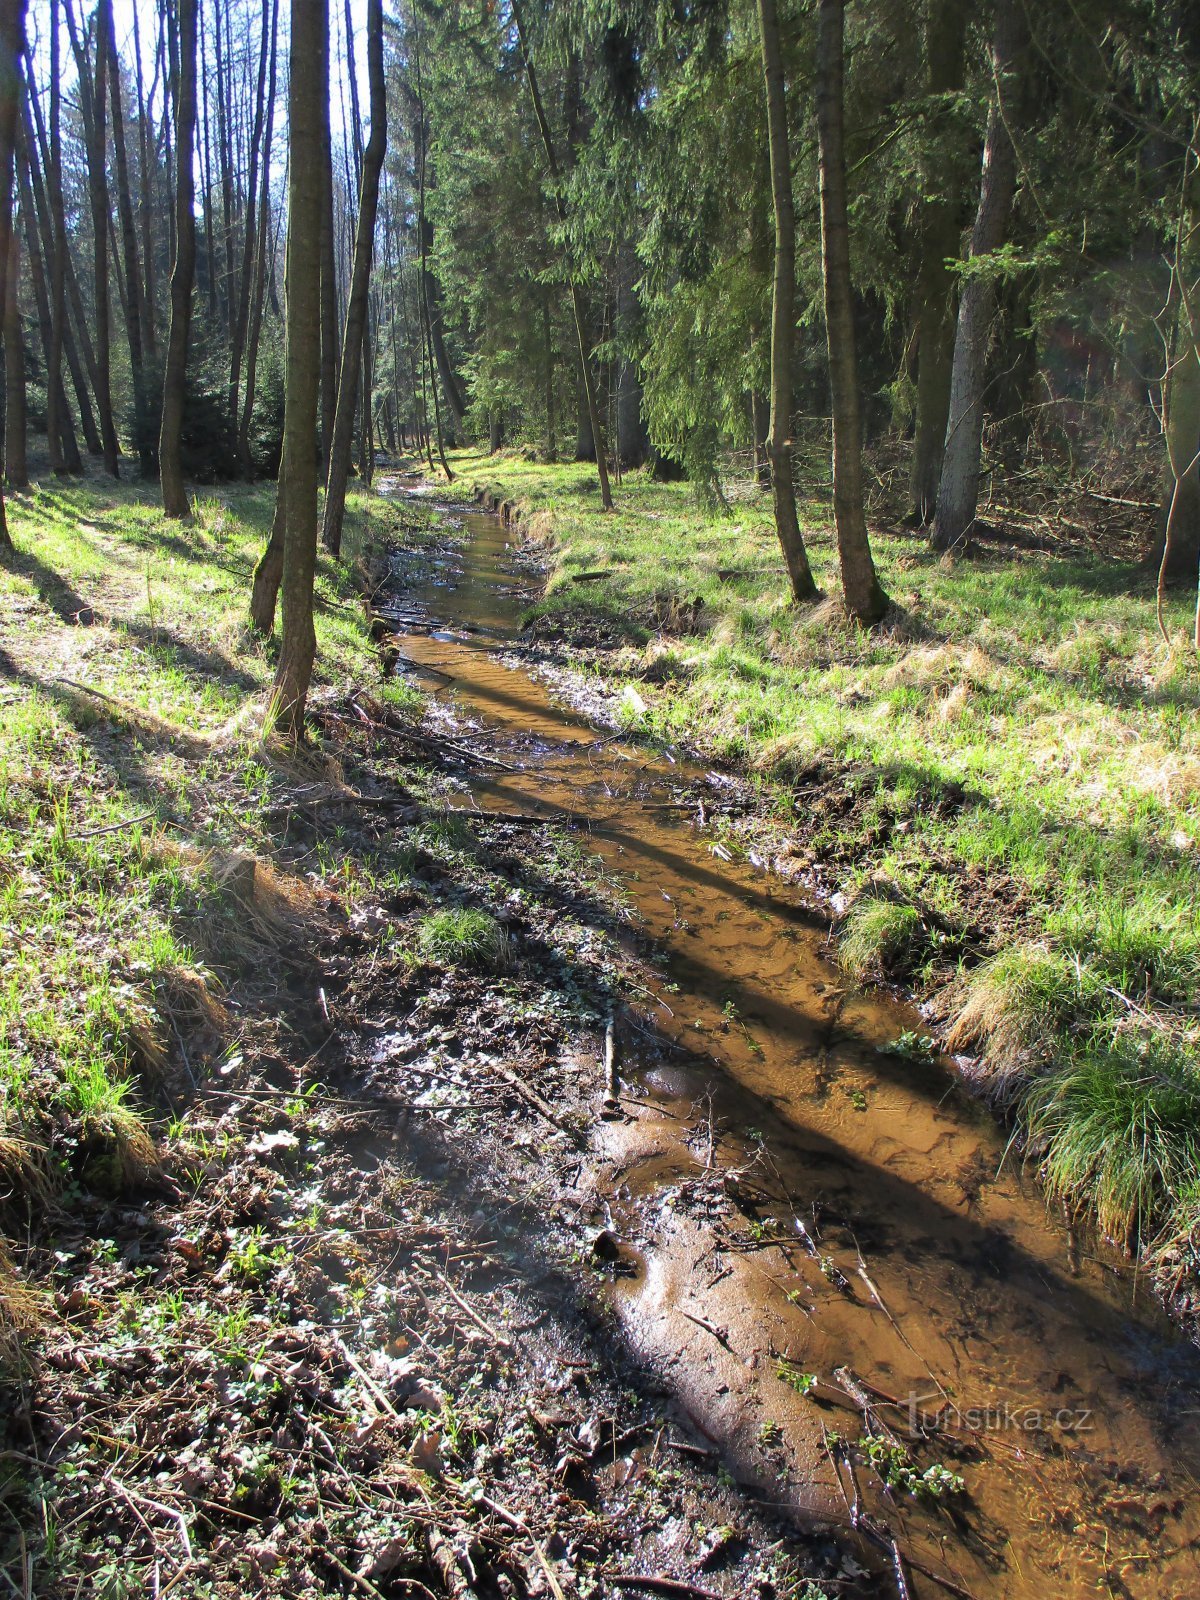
x=20, y=1311
x=1017, y=1007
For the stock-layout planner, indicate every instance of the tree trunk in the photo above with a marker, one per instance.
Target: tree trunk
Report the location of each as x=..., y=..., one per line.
x=360, y=281
x=577, y=305
x=135, y=298
x=865, y=599
x=308, y=90
x=779, y=444
x=170, y=441
x=40, y=208
x=241, y=314
x=145, y=201
x=548, y=376
x=329, y=305
x=263, y=253
x=423, y=268
x=1181, y=493
x=938, y=233
x=958, y=488
x=12, y=48
x=633, y=443
x=64, y=435
x=93, y=94
x=57, y=257
x=16, y=467
x=269, y=571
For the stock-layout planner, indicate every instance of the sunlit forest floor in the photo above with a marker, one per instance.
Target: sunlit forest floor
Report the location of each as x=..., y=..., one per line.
x=289, y=1306
x=1000, y=787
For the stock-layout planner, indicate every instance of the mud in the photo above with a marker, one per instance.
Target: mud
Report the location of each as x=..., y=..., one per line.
x=800, y=1200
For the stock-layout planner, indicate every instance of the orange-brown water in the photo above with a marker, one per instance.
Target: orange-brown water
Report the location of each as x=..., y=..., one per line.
x=1067, y=1404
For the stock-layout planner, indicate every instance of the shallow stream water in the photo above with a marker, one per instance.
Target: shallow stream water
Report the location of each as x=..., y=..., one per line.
x=880, y=1229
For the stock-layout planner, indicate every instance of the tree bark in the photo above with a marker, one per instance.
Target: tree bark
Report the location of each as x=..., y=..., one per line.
x=779, y=444
x=938, y=234
x=269, y=572
x=145, y=201
x=135, y=295
x=309, y=88
x=263, y=253
x=36, y=206
x=57, y=256
x=12, y=48
x=360, y=282
x=633, y=443
x=241, y=312
x=423, y=269
x=958, y=487
x=329, y=304
x=93, y=95
x=577, y=305
x=864, y=596
x=170, y=441
x=16, y=466
x=68, y=444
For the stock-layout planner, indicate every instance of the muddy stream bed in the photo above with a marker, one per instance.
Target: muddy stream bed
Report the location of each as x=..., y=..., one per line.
x=791, y=1201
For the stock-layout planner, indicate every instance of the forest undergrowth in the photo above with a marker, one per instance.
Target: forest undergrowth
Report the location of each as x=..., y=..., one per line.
x=997, y=790
x=290, y=1302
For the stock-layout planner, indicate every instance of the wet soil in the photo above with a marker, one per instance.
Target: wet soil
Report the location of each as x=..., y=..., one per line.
x=813, y=1236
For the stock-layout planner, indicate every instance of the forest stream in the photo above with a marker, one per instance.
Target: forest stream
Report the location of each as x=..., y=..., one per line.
x=895, y=1270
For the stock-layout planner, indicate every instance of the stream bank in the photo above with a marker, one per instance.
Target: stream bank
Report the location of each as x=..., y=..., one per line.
x=798, y=1205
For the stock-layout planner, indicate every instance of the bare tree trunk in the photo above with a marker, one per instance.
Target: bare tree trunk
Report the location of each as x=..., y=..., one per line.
x=958, y=487
x=360, y=281
x=224, y=97
x=864, y=596
x=241, y=315
x=57, y=256
x=576, y=292
x=135, y=298
x=779, y=444
x=423, y=269
x=329, y=305
x=12, y=48
x=548, y=376
x=16, y=466
x=633, y=444
x=264, y=229
x=269, y=572
x=309, y=87
x=93, y=94
x=64, y=427
x=938, y=232
x=145, y=202
x=170, y=442
x=31, y=178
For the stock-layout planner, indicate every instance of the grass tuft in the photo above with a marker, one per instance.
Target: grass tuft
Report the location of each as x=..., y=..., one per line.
x=879, y=938
x=464, y=936
x=1118, y=1129
x=1019, y=1007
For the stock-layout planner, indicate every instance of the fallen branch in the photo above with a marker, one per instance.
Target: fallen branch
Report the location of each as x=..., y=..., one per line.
x=659, y=1583
x=500, y=1339
x=114, y=827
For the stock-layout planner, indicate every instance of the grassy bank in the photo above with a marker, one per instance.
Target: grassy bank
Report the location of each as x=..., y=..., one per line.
x=1005, y=778
x=131, y=781
x=279, y=1311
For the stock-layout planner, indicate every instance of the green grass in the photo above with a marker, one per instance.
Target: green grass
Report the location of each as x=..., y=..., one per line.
x=1022, y=749
x=876, y=935
x=130, y=767
x=463, y=936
